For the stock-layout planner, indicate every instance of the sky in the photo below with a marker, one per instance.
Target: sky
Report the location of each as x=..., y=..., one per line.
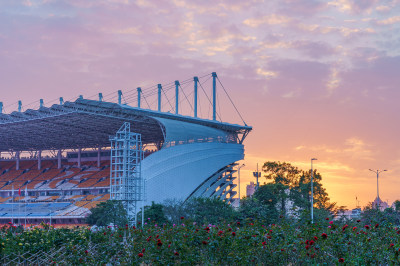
x=313, y=78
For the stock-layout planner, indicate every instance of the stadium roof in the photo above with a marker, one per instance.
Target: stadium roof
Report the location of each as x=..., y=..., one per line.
x=88, y=123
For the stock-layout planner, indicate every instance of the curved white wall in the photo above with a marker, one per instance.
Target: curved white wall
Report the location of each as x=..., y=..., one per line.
x=175, y=172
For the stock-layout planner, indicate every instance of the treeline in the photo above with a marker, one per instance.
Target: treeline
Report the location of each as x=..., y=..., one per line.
x=287, y=195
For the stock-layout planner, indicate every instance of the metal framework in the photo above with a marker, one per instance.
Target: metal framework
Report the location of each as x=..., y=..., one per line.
x=58, y=126
x=126, y=182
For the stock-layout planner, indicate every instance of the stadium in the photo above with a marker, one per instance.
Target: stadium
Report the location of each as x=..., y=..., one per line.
x=58, y=162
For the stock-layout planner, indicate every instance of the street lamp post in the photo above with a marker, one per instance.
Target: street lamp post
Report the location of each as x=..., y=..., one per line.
x=377, y=186
x=239, y=181
x=312, y=190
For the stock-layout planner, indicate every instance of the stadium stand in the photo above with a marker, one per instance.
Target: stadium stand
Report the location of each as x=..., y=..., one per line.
x=65, y=194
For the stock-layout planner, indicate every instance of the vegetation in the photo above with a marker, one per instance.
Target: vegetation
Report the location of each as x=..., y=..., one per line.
x=271, y=227
x=109, y=212
x=325, y=243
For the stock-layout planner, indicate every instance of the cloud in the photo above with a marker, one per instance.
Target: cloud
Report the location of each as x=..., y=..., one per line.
x=389, y=21
x=272, y=19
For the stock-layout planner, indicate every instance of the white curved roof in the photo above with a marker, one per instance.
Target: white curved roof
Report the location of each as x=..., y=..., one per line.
x=183, y=131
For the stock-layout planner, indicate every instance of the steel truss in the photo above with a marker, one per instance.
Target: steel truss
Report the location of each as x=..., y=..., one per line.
x=126, y=182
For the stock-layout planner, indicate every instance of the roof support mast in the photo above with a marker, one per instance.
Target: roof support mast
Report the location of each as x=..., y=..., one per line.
x=176, y=96
x=214, y=76
x=119, y=97
x=41, y=103
x=19, y=106
x=139, y=92
x=196, y=79
x=159, y=97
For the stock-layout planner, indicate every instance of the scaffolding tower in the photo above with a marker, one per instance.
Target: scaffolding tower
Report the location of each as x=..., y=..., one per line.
x=126, y=182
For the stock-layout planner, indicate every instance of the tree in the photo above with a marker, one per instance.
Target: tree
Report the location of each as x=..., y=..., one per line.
x=174, y=209
x=155, y=213
x=208, y=210
x=284, y=174
x=262, y=205
x=111, y=211
x=295, y=187
x=397, y=205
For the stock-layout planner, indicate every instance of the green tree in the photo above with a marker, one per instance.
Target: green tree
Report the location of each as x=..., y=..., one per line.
x=262, y=205
x=397, y=205
x=208, y=210
x=284, y=174
x=154, y=213
x=295, y=187
x=111, y=211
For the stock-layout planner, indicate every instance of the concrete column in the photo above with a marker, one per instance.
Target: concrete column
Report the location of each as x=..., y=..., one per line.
x=17, y=160
x=98, y=156
x=59, y=159
x=39, y=165
x=79, y=157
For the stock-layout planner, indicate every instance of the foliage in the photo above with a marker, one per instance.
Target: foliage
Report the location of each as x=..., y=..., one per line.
x=208, y=210
x=294, y=185
x=155, y=212
x=111, y=211
x=228, y=243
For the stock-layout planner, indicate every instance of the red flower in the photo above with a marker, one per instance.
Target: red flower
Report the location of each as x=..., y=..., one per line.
x=143, y=250
x=366, y=226
x=182, y=219
x=377, y=225
x=140, y=255
x=313, y=255
x=264, y=243
x=207, y=228
x=104, y=233
x=316, y=238
x=86, y=252
x=331, y=222
x=205, y=242
x=354, y=228
x=327, y=218
x=176, y=253
x=230, y=229
x=324, y=236
x=133, y=227
x=238, y=223
x=311, y=242
x=344, y=227
x=391, y=244
x=341, y=260
x=307, y=247
x=233, y=233
x=282, y=249
x=358, y=221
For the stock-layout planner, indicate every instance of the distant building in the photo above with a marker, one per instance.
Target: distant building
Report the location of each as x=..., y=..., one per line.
x=382, y=204
x=355, y=213
x=250, y=189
